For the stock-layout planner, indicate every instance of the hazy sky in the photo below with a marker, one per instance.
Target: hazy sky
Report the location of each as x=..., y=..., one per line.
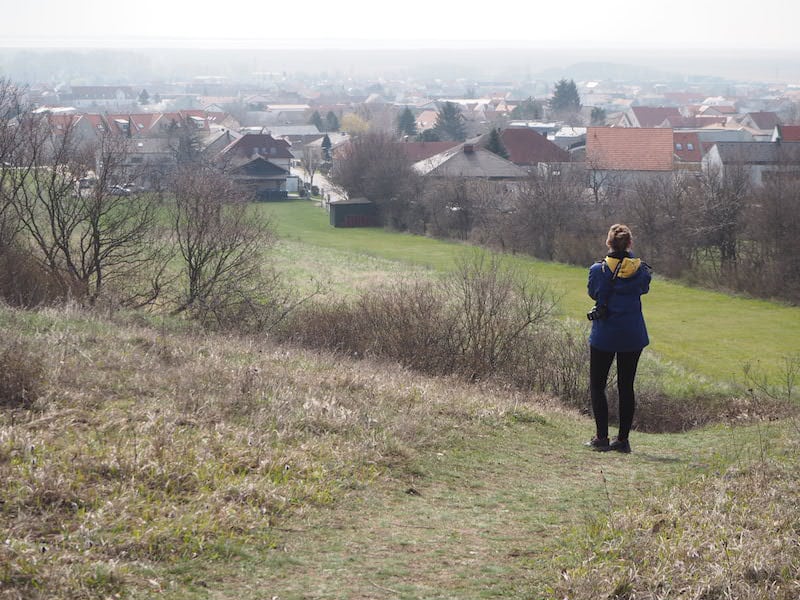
x=261, y=23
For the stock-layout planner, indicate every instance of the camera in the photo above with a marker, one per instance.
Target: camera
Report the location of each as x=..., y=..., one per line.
x=597, y=313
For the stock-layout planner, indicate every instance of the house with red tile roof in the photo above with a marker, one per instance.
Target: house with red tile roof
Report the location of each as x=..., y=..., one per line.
x=688, y=150
x=786, y=133
x=527, y=148
x=253, y=145
x=647, y=116
x=628, y=149
x=761, y=124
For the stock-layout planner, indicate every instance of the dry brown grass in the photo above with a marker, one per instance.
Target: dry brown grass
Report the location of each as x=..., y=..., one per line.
x=149, y=446
x=730, y=536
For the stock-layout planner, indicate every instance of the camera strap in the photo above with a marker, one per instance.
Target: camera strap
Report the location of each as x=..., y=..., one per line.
x=613, y=280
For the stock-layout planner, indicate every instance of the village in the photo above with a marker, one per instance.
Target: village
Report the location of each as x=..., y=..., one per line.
x=612, y=130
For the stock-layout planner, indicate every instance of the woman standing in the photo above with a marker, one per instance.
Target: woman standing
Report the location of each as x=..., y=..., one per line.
x=618, y=330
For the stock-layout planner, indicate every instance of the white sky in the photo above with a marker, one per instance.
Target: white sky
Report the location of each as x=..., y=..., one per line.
x=744, y=24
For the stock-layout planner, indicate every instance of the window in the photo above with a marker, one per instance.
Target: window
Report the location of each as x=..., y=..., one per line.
x=678, y=147
x=690, y=146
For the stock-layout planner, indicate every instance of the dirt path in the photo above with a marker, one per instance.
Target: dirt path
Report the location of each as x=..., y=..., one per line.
x=481, y=522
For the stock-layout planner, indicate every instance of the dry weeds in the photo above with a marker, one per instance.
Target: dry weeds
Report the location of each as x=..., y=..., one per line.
x=148, y=446
x=734, y=536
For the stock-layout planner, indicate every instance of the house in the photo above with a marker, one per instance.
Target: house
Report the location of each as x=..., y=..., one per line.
x=763, y=121
x=264, y=179
x=527, y=148
x=426, y=120
x=570, y=137
x=618, y=155
x=471, y=161
x=647, y=116
x=760, y=161
x=786, y=133
x=254, y=145
x=106, y=96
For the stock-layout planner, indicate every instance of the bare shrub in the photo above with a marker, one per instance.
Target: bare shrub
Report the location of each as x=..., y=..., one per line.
x=478, y=322
x=24, y=282
x=22, y=372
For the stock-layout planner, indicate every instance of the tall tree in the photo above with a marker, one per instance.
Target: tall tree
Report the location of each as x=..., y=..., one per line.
x=144, y=98
x=450, y=123
x=566, y=99
x=316, y=119
x=495, y=144
x=326, y=148
x=406, y=124
x=331, y=121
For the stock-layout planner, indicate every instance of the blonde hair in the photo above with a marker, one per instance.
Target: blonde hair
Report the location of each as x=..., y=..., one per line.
x=619, y=238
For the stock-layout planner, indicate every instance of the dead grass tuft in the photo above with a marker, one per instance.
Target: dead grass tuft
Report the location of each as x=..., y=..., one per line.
x=734, y=536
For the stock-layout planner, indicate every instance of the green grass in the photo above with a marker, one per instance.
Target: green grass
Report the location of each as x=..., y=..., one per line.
x=709, y=333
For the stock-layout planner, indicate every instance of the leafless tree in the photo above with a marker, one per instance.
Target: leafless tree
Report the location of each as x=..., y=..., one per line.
x=220, y=242
x=375, y=167
x=661, y=211
x=722, y=201
x=105, y=239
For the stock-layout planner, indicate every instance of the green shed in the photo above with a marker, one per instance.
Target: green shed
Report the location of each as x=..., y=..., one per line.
x=354, y=212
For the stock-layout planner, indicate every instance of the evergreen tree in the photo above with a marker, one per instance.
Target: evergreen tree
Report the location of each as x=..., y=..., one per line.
x=326, y=148
x=316, y=119
x=495, y=144
x=598, y=116
x=565, y=97
x=406, y=124
x=450, y=123
x=429, y=135
x=528, y=109
x=144, y=98
x=332, y=121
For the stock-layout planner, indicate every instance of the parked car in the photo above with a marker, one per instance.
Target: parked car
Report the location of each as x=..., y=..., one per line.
x=119, y=190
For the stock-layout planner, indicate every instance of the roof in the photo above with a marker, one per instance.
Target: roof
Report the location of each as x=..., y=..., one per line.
x=758, y=153
x=654, y=116
x=687, y=146
x=426, y=119
x=789, y=133
x=259, y=168
x=467, y=160
x=764, y=120
x=630, y=149
x=694, y=122
x=526, y=147
x=417, y=151
x=258, y=143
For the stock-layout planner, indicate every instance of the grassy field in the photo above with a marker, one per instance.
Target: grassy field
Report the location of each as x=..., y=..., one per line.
x=157, y=459
x=148, y=458
x=708, y=333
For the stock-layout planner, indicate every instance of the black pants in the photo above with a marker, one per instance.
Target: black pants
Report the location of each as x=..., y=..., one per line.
x=599, y=366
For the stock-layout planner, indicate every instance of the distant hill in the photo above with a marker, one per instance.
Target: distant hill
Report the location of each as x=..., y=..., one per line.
x=587, y=71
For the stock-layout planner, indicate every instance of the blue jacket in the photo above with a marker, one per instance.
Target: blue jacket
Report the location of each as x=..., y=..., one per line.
x=623, y=330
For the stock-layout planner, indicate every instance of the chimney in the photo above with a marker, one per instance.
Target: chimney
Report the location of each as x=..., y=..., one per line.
x=469, y=148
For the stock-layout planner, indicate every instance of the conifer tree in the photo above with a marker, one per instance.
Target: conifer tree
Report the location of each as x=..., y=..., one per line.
x=450, y=123
x=316, y=119
x=406, y=124
x=565, y=97
x=495, y=144
x=332, y=121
